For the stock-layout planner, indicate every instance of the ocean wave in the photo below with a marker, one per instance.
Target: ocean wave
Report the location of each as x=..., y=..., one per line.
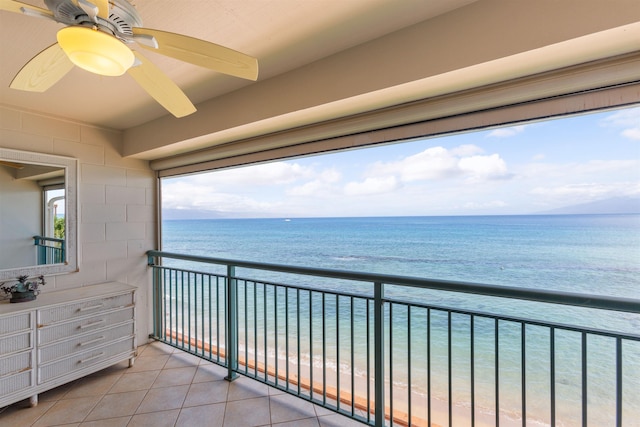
x=395, y=258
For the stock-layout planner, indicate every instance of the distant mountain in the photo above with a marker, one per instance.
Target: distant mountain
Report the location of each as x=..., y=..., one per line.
x=614, y=205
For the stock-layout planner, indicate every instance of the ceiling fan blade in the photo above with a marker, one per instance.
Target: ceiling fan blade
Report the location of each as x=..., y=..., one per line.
x=103, y=8
x=93, y=8
x=27, y=9
x=202, y=53
x=161, y=87
x=43, y=70
x=12, y=164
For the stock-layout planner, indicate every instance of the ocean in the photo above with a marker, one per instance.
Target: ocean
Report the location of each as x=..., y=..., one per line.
x=593, y=254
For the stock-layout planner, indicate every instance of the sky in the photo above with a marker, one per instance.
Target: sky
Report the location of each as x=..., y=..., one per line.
x=524, y=169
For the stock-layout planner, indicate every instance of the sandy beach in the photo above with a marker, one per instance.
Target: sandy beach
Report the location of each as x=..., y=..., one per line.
x=335, y=391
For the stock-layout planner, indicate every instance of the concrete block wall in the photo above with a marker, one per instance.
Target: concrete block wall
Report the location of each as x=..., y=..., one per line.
x=116, y=197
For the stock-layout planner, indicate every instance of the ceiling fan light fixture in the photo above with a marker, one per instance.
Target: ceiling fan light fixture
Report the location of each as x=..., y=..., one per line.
x=95, y=51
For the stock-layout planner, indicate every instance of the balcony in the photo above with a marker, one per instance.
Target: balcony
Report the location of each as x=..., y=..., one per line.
x=240, y=343
x=508, y=356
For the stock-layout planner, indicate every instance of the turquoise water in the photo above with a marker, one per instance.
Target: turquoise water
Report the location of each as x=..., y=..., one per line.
x=579, y=253
x=596, y=254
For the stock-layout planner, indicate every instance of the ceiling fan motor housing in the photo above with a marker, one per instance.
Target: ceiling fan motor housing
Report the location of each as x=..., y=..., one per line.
x=122, y=16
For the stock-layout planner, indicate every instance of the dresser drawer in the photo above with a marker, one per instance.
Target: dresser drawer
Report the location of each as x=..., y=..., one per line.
x=15, y=363
x=85, y=359
x=48, y=334
x=84, y=342
x=15, y=323
x=63, y=336
x=86, y=308
x=14, y=383
x=11, y=344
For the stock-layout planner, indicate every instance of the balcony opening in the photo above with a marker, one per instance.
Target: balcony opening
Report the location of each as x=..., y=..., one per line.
x=377, y=282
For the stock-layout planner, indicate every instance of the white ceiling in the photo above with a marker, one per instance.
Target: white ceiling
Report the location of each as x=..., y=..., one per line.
x=282, y=34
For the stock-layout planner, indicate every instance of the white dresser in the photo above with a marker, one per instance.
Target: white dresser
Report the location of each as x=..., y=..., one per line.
x=63, y=336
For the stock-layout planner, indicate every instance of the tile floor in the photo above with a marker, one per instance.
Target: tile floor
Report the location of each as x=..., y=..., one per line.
x=167, y=387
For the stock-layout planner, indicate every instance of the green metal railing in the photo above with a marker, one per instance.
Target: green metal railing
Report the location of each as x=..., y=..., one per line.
x=49, y=250
x=377, y=349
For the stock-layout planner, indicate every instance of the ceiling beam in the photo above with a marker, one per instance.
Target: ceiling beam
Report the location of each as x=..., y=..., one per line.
x=486, y=42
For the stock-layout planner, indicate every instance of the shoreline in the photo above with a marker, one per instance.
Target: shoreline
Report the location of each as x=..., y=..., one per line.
x=329, y=392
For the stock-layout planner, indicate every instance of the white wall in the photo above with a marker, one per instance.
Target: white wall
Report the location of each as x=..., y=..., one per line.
x=116, y=196
x=20, y=219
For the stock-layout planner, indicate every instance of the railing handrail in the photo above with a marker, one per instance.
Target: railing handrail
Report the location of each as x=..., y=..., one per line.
x=547, y=296
x=48, y=239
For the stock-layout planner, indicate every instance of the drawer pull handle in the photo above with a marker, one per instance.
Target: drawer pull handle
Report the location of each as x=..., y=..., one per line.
x=89, y=359
x=82, y=344
x=91, y=307
x=89, y=325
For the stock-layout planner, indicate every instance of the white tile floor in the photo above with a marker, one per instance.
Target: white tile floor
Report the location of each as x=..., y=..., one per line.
x=167, y=387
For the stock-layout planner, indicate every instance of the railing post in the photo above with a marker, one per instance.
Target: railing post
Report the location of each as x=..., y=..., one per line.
x=156, y=298
x=41, y=258
x=62, y=253
x=232, y=325
x=378, y=330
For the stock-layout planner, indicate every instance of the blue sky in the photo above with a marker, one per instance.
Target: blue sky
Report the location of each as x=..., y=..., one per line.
x=512, y=170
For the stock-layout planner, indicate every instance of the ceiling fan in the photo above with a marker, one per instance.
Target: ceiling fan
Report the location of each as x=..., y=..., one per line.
x=97, y=37
x=13, y=165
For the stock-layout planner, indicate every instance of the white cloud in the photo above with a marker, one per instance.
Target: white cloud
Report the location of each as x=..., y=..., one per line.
x=432, y=163
x=323, y=184
x=196, y=199
x=466, y=150
x=437, y=180
x=607, y=166
x=259, y=175
x=307, y=189
x=373, y=185
x=580, y=171
x=244, y=190
x=438, y=163
x=633, y=133
x=483, y=167
x=331, y=175
x=628, y=120
x=550, y=185
x=507, y=132
x=586, y=192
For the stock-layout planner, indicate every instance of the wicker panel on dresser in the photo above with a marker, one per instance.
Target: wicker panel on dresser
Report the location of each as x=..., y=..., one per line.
x=16, y=353
x=63, y=336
